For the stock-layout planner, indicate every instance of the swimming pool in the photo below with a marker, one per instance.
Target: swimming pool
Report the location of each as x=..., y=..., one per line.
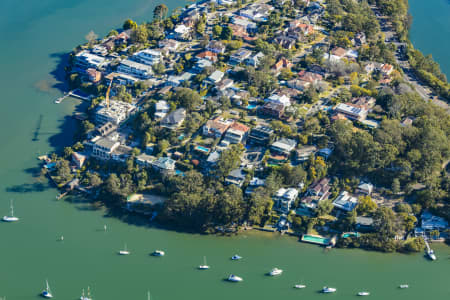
x=203, y=149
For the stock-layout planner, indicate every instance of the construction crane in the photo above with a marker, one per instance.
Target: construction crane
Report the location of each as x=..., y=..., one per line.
x=107, y=93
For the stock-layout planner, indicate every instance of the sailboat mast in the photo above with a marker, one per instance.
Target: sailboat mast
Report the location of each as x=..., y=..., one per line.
x=12, y=209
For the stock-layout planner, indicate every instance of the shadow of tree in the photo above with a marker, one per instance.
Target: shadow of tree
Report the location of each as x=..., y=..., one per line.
x=28, y=188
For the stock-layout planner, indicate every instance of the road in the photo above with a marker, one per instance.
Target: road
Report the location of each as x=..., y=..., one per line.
x=408, y=74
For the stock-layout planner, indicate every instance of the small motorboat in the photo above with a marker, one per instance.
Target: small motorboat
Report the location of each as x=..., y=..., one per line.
x=327, y=290
x=124, y=251
x=234, y=278
x=363, y=293
x=404, y=286
x=204, y=266
x=431, y=254
x=84, y=297
x=46, y=293
x=158, y=253
x=275, y=272
x=236, y=257
x=299, y=286
x=11, y=217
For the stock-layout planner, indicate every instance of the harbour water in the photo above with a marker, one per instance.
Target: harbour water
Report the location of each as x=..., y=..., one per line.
x=430, y=31
x=35, y=37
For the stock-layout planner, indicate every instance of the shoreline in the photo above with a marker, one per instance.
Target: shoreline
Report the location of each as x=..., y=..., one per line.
x=110, y=195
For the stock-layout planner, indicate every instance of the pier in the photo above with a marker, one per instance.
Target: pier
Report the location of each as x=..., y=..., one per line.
x=75, y=94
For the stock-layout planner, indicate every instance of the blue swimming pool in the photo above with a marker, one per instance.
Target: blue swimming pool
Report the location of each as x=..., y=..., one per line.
x=201, y=148
x=251, y=106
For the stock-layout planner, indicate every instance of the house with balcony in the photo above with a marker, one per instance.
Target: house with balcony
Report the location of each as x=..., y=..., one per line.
x=217, y=127
x=284, y=199
x=135, y=69
x=236, y=133
x=148, y=57
x=260, y=135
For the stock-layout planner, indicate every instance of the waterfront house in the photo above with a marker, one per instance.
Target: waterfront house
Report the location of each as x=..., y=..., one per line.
x=236, y=177
x=135, y=69
x=78, y=159
x=103, y=148
x=364, y=224
x=260, y=135
x=85, y=60
x=283, y=146
x=284, y=199
x=345, y=201
x=431, y=222
x=174, y=119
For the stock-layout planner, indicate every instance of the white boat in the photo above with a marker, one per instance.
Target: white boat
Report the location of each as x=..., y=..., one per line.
x=431, y=254
x=158, y=253
x=46, y=293
x=234, y=278
x=86, y=297
x=275, y=272
x=363, y=293
x=327, y=290
x=124, y=251
x=148, y=295
x=204, y=266
x=236, y=257
x=11, y=218
x=299, y=286
x=404, y=286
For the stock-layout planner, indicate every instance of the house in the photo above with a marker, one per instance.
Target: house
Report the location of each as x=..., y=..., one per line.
x=145, y=160
x=285, y=41
x=345, y=201
x=94, y=76
x=182, y=32
x=236, y=133
x=121, y=153
x=216, y=127
x=236, y=177
x=225, y=2
x=209, y=55
x=215, y=77
x=85, y=60
x=283, y=63
x=116, y=112
x=239, y=56
x=298, y=84
x=254, y=60
x=364, y=224
x=277, y=99
x=339, y=52
x=225, y=84
x=103, y=148
x=254, y=183
x=351, y=111
x=135, y=69
x=122, y=79
x=283, y=146
x=174, y=119
x=386, y=69
x=310, y=77
x=176, y=80
x=250, y=26
x=284, y=199
x=430, y=222
x=201, y=64
x=212, y=159
x=365, y=188
x=360, y=39
x=161, y=109
x=216, y=47
x=325, y=152
x=257, y=12
x=168, y=45
x=272, y=109
x=364, y=102
x=238, y=30
x=78, y=159
x=260, y=135
x=320, y=189
x=106, y=129
x=148, y=57
x=303, y=154
x=164, y=164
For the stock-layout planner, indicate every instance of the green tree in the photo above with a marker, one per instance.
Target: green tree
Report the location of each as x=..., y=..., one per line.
x=365, y=205
x=160, y=12
x=227, y=33
x=129, y=24
x=217, y=31
x=187, y=98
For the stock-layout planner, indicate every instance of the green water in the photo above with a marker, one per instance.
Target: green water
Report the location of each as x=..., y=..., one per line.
x=430, y=31
x=34, y=36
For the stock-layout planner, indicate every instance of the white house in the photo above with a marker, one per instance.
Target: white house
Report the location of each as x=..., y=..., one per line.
x=161, y=109
x=148, y=57
x=285, y=198
x=135, y=69
x=345, y=201
x=116, y=113
x=277, y=99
